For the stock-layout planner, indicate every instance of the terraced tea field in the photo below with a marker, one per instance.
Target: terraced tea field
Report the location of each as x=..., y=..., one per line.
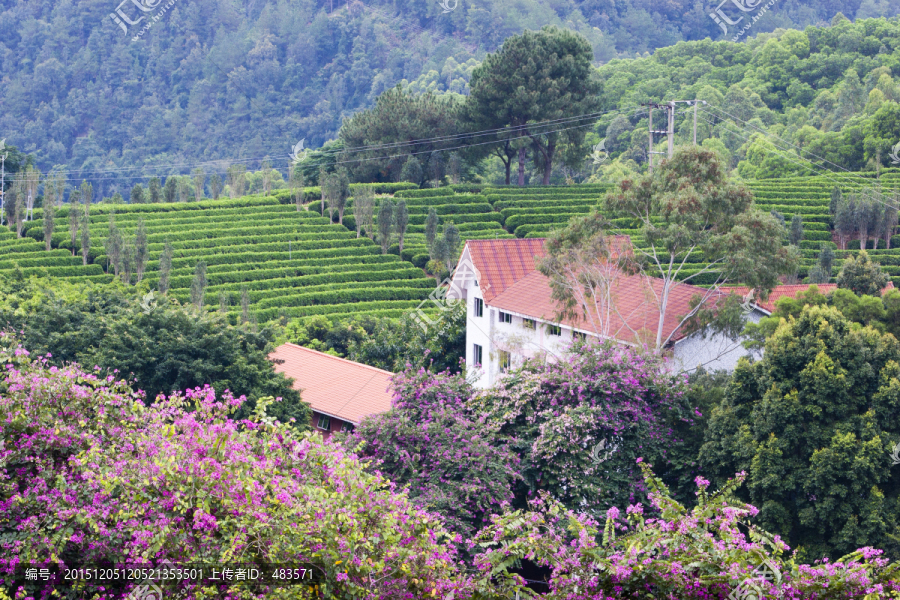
x=296, y=263
x=293, y=263
x=31, y=257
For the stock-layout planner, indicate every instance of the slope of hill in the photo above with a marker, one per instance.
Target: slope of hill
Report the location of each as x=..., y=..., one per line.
x=290, y=262
x=30, y=258
x=232, y=81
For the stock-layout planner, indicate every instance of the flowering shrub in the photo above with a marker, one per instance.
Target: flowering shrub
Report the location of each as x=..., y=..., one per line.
x=90, y=474
x=556, y=415
x=453, y=461
x=707, y=553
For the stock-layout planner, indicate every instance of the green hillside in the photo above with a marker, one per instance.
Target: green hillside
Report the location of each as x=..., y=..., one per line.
x=291, y=263
x=295, y=263
x=30, y=258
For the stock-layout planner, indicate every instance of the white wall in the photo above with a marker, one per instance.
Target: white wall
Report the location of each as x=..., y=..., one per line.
x=714, y=353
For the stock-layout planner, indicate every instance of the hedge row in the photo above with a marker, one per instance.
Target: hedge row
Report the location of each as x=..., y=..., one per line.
x=354, y=273
x=69, y=271
x=377, y=271
x=49, y=261
x=124, y=221
x=463, y=227
x=276, y=294
x=238, y=275
x=363, y=294
x=788, y=209
x=292, y=268
x=426, y=193
x=536, y=218
x=560, y=209
x=553, y=203
x=218, y=234
x=333, y=309
x=242, y=202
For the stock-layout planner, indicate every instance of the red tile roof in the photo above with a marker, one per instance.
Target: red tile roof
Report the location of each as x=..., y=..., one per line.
x=501, y=263
x=790, y=291
x=529, y=294
x=335, y=386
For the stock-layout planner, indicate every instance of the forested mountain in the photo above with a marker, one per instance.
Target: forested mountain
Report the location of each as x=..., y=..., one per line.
x=244, y=80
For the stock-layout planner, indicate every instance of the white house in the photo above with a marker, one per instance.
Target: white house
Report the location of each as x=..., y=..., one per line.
x=512, y=316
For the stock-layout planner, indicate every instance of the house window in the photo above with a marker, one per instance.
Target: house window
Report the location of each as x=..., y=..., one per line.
x=477, y=353
x=578, y=335
x=529, y=324
x=504, y=357
x=347, y=427
x=505, y=317
x=554, y=329
x=479, y=307
x=324, y=423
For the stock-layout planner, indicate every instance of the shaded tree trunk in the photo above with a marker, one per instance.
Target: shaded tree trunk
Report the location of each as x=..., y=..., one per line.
x=522, y=166
x=548, y=161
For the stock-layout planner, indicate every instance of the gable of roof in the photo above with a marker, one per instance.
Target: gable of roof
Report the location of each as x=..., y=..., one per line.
x=335, y=386
x=501, y=263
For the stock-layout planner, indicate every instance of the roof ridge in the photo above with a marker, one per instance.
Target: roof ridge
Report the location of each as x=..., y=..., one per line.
x=338, y=358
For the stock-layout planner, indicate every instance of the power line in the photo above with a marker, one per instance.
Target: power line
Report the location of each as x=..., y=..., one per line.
x=538, y=126
x=792, y=145
x=819, y=171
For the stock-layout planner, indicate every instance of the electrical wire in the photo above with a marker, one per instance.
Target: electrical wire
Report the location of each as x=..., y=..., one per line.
x=820, y=171
x=792, y=145
x=536, y=126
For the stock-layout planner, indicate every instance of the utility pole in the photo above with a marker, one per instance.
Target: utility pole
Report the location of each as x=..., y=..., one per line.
x=669, y=131
x=695, y=122
x=670, y=108
x=650, y=151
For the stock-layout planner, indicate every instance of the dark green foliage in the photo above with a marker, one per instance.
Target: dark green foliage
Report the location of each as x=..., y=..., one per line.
x=159, y=344
x=389, y=344
x=412, y=171
x=154, y=190
x=813, y=424
x=137, y=194
x=536, y=76
x=862, y=276
x=170, y=189
x=398, y=117
x=704, y=393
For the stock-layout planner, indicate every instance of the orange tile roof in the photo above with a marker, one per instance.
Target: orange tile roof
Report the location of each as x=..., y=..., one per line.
x=530, y=293
x=500, y=263
x=335, y=386
x=790, y=291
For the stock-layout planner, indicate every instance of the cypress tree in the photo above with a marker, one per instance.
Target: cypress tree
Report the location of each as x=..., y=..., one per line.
x=385, y=224
x=401, y=221
x=198, y=285
x=165, y=267
x=154, y=190
x=85, y=234
x=141, y=251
